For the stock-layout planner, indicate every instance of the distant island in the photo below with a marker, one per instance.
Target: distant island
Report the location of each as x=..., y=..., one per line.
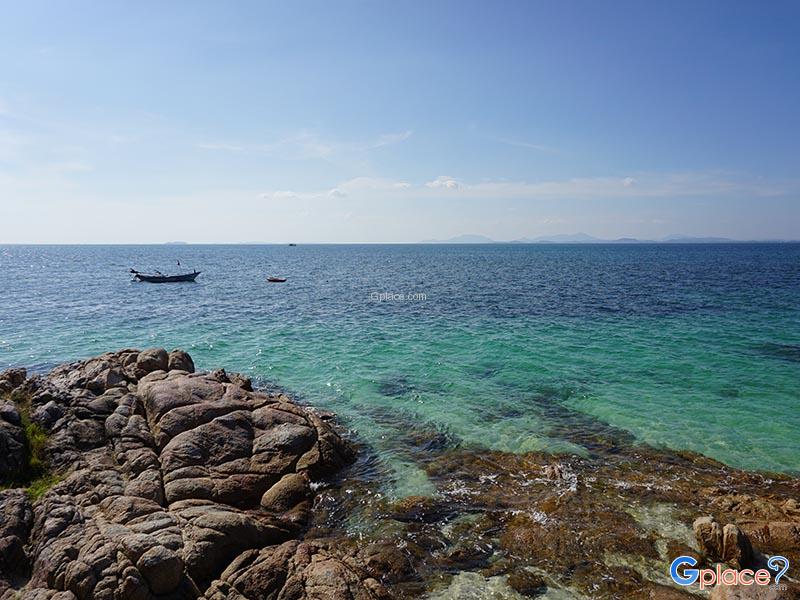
x=584, y=238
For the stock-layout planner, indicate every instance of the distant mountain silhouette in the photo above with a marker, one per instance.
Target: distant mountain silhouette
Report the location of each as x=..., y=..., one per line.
x=687, y=239
x=463, y=239
x=562, y=238
x=585, y=238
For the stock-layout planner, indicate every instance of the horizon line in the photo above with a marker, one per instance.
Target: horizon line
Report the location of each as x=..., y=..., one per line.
x=599, y=242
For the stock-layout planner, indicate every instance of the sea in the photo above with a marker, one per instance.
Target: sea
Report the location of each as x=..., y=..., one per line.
x=501, y=346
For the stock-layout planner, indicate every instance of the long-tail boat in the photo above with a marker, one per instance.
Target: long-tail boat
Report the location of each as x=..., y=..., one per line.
x=159, y=277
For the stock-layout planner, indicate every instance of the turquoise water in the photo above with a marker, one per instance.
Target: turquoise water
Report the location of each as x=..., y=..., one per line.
x=512, y=347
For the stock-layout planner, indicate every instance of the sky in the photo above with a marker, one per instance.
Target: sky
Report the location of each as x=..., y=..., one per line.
x=373, y=121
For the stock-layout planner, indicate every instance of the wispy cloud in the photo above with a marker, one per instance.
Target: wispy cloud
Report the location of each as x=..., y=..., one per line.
x=642, y=185
x=305, y=145
x=387, y=139
x=372, y=187
x=526, y=145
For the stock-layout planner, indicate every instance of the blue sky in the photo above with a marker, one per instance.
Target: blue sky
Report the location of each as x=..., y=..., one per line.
x=397, y=121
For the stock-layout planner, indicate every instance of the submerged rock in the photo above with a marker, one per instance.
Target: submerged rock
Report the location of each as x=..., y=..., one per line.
x=601, y=527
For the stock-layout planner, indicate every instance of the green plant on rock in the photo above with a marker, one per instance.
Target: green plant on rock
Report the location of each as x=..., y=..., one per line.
x=35, y=475
x=40, y=486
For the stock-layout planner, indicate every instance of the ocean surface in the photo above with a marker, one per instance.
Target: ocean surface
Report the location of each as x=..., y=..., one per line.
x=509, y=347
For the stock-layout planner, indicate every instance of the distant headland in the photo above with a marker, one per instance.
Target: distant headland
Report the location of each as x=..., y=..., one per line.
x=584, y=238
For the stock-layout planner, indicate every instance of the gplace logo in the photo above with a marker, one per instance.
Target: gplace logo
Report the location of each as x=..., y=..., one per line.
x=711, y=577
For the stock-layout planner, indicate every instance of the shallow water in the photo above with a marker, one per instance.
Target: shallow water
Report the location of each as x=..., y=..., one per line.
x=513, y=347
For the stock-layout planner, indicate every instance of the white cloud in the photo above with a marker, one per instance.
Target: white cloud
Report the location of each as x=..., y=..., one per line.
x=307, y=145
x=443, y=181
x=644, y=186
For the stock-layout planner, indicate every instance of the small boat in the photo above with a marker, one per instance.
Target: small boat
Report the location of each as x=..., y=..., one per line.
x=158, y=277
x=293, y=244
x=276, y=279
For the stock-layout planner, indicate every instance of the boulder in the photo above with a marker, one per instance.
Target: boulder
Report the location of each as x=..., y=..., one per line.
x=13, y=453
x=298, y=570
x=287, y=493
x=723, y=544
x=236, y=378
x=154, y=359
x=163, y=479
x=106, y=379
x=48, y=414
x=736, y=548
x=709, y=537
x=10, y=413
x=779, y=536
x=162, y=569
x=15, y=377
x=16, y=517
x=180, y=361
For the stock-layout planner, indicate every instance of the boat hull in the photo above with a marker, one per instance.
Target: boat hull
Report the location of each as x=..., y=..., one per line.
x=187, y=277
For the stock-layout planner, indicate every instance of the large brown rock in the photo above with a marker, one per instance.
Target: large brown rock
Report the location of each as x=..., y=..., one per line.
x=736, y=548
x=13, y=454
x=180, y=361
x=709, y=537
x=287, y=493
x=14, y=377
x=154, y=359
x=297, y=570
x=164, y=473
x=723, y=544
x=781, y=536
x=16, y=517
x=161, y=568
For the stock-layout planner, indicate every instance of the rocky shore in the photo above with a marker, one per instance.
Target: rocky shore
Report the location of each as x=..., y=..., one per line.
x=130, y=475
